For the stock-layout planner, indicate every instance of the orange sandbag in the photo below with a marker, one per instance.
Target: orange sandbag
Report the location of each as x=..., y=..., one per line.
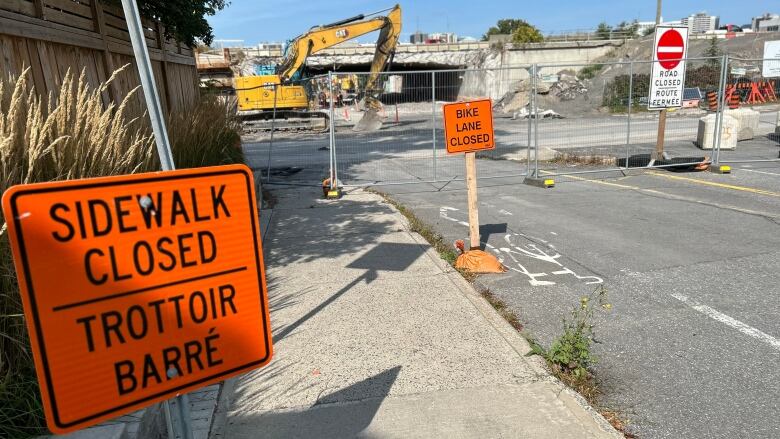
x=478, y=261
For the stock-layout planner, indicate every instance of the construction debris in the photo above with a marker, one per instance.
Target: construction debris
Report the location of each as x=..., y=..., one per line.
x=568, y=87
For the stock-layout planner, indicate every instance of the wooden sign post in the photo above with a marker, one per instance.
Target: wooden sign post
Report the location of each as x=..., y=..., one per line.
x=667, y=80
x=471, y=186
x=468, y=128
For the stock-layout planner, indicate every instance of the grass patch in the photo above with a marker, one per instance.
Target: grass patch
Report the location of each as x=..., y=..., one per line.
x=70, y=135
x=503, y=309
x=590, y=72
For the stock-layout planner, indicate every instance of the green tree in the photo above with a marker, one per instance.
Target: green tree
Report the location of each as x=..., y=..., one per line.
x=603, y=31
x=527, y=33
x=628, y=29
x=506, y=26
x=183, y=19
x=713, y=53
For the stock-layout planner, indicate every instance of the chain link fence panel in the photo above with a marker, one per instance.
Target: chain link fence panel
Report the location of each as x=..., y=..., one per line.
x=290, y=144
x=752, y=95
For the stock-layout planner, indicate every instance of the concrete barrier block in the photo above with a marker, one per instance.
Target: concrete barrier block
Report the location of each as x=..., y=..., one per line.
x=777, y=123
x=748, y=121
x=705, y=138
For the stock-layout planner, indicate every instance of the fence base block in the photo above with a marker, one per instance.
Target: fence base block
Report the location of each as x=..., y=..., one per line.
x=334, y=194
x=720, y=169
x=544, y=183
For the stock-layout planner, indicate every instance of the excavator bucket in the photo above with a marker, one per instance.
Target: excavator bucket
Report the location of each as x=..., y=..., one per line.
x=371, y=121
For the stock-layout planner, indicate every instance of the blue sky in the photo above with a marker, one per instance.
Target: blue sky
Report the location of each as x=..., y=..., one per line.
x=279, y=20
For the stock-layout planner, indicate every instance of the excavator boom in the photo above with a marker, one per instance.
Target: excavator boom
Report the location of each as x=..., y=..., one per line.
x=323, y=37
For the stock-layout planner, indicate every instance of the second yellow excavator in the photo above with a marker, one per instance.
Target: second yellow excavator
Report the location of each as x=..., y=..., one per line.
x=260, y=97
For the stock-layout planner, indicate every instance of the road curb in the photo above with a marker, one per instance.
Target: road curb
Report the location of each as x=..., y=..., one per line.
x=520, y=345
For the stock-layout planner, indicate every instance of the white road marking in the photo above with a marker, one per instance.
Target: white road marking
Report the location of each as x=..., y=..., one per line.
x=759, y=172
x=530, y=250
x=729, y=321
x=504, y=212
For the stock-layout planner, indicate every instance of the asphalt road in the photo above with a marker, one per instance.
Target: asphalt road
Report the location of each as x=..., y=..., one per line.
x=690, y=260
x=691, y=264
x=404, y=152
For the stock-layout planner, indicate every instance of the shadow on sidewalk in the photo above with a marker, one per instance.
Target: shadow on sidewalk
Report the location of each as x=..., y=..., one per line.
x=393, y=257
x=344, y=413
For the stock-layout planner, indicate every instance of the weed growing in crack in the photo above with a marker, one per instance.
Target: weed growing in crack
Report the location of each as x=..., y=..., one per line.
x=570, y=356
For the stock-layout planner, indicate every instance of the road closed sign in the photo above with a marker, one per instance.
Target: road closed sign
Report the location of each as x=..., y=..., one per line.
x=137, y=288
x=468, y=126
x=667, y=80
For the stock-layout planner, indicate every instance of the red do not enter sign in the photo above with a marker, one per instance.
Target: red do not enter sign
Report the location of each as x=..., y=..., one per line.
x=671, y=49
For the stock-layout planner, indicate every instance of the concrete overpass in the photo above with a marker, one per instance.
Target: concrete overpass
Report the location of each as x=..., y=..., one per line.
x=452, y=56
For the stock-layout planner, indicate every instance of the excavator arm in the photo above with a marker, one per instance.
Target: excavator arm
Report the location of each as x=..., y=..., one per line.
x=325, y=36
x=322, y=37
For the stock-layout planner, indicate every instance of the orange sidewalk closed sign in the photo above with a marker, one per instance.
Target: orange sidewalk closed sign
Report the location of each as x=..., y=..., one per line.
x=137, y=288
x=468, y=126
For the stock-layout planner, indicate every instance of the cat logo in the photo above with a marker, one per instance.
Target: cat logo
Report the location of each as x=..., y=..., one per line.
x=342, y=33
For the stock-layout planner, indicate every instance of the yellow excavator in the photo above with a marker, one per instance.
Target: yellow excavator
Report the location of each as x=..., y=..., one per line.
x=260, y=97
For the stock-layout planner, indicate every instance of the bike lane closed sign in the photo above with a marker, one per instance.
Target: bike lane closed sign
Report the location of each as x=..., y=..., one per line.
x=667, y=80
x=468, y=126
x=137, y=288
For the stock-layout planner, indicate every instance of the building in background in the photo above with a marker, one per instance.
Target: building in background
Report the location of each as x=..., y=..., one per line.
x=441, y=38
x=701, y=23
x=643, y=27
x=418, y=38
x=766, y=23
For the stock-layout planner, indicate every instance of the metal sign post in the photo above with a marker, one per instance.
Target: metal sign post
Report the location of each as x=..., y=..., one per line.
x=145, y=72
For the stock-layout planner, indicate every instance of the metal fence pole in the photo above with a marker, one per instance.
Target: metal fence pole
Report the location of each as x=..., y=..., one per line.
x=433, y=122
x=536, y=124
x=630, y=108
x=721, y=111
x=271, y=141
x=330, y=135
x=183, y=403
x=530, y=124
x=333, y=163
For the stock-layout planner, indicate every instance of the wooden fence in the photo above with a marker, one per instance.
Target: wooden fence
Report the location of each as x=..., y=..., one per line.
x=53, y=36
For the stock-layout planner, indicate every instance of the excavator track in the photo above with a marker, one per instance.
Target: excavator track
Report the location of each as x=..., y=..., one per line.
x=287, y=120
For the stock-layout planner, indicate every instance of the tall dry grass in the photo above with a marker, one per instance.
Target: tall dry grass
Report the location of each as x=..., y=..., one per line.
x=73, y=134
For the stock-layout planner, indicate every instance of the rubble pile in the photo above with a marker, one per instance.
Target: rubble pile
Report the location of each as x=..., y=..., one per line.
x=568, y=88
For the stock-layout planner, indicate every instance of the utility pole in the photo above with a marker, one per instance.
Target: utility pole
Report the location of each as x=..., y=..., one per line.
x=659, y=143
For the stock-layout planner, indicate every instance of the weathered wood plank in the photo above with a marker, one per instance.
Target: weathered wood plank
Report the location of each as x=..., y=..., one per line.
x=6, y=50
x=119, y=34
x=70, y=20
x=70, y=6
x=19, y=6
x=49, y=75
x=26, y=27
x=113, y=21
x=35, y=64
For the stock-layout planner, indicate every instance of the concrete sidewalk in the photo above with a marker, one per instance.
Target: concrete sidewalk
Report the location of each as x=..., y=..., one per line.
x=376, y=337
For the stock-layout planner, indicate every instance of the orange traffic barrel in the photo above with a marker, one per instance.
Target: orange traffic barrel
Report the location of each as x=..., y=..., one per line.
x=712, y=100
x=734, y=101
